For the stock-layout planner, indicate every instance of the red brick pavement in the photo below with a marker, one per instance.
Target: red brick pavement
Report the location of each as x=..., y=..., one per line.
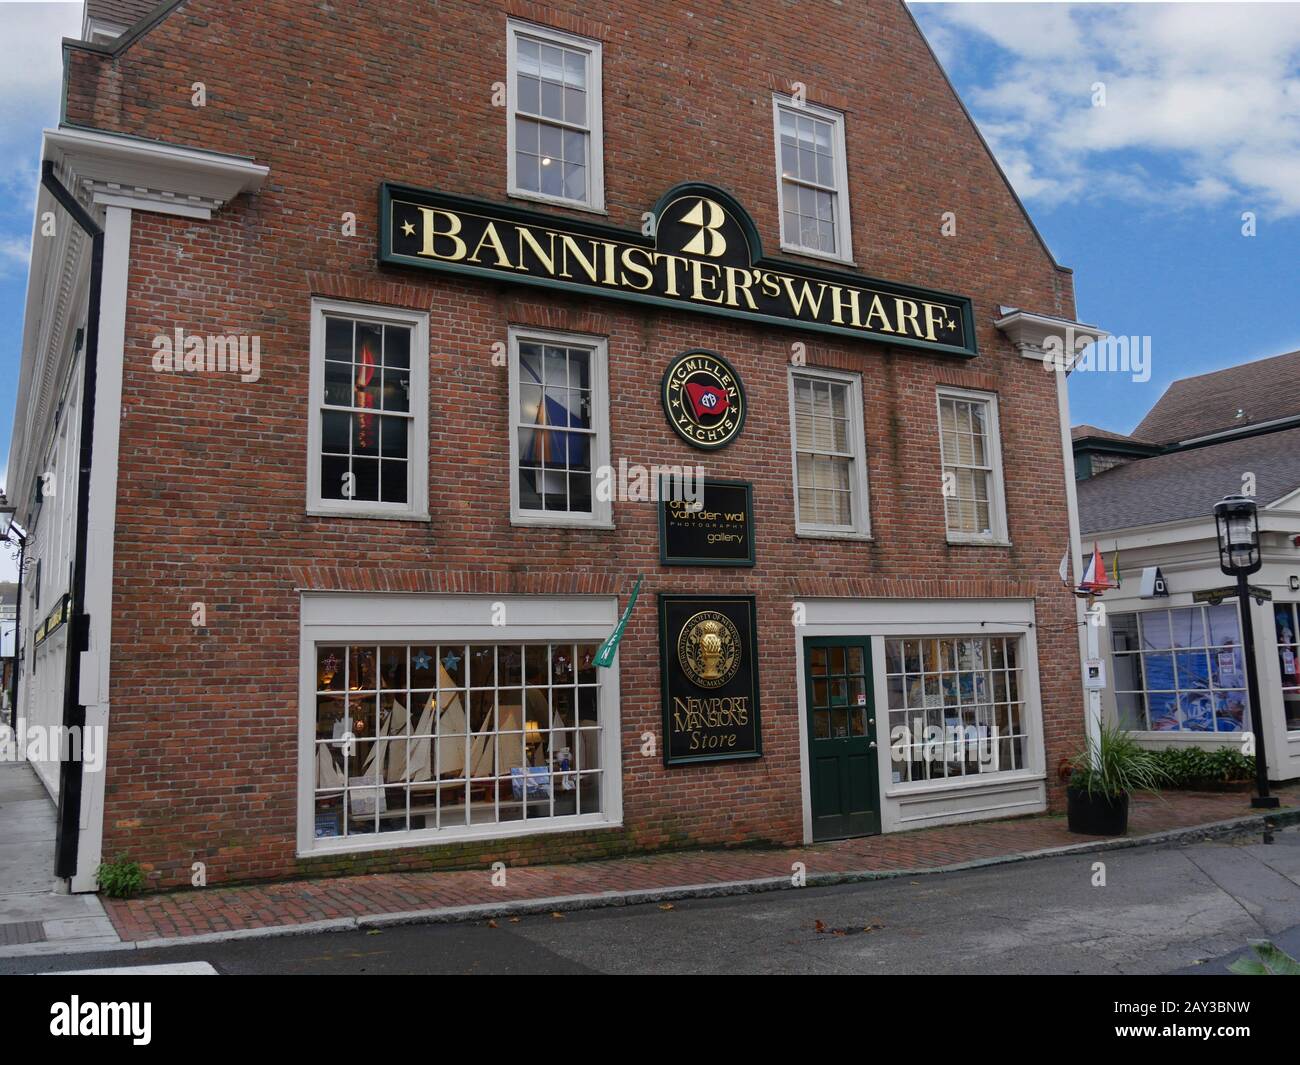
x=187, y=913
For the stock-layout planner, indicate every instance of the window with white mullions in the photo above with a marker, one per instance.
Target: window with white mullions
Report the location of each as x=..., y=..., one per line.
x=366, y=411
x=956, y=707
x=554, y=115
x=829, y=460
x=972, y=478
x=452, y=736
x=559, y=427
x=812, y=179
x=369, y=421
x=1180, y=670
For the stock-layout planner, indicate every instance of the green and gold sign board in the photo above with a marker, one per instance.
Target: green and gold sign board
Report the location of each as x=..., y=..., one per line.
x=699, y=252
x=708, y=652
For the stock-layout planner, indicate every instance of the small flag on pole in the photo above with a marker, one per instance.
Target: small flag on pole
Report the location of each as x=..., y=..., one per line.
x=1065, y=569
x=605, y=656
x=1114, y=567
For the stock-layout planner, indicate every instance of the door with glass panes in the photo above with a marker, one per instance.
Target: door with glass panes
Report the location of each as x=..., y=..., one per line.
x=842, y=751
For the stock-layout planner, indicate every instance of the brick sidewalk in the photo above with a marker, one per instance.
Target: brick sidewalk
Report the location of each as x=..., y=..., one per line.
x=198, y=912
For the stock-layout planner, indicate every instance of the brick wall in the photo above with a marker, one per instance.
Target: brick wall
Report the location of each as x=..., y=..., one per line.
x=336, y=98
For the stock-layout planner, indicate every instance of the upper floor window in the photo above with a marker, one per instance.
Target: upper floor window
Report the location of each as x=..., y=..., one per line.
x=972, y=466
x=554, y=116
x=559, y=428
x=830, y=469
x=812, y=179
x=368, y=433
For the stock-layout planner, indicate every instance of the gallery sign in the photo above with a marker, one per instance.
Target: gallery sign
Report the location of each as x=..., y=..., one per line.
x=708, y=651
x=703, y=255
x=717, y=530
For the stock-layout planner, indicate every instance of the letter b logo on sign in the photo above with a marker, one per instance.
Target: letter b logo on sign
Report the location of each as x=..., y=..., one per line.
x=709, y=216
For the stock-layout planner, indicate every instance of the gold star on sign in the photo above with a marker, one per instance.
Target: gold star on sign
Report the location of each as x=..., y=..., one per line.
x=408, y=230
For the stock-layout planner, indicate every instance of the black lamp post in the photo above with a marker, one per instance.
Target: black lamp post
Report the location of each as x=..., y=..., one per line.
x=1237, y=524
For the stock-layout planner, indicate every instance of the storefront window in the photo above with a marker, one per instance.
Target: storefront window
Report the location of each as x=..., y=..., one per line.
x=956, y=706
x=1288, y=653
x=443, y=736
x=1180, y=670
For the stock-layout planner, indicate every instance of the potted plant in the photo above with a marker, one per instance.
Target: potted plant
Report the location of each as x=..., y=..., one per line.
x=1103, y=778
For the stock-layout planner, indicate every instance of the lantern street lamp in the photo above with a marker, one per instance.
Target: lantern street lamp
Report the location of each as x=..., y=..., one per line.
x=1237, y=524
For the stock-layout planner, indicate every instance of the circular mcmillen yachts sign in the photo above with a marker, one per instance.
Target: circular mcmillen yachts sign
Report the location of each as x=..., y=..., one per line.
x=703, y=399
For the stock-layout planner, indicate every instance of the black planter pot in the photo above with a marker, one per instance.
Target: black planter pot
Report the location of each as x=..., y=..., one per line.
x=1098, y=815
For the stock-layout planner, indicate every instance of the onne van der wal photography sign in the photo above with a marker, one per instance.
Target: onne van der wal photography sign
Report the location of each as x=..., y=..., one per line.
x=717, y=530
x=704, y=255
x=708, y=651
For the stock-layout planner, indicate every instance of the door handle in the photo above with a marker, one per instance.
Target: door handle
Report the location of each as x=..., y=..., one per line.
x=872, y=745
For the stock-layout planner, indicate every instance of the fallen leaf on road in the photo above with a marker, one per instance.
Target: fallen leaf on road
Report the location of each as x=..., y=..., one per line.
x=821, y=927
x=558, y=914
x=666, y=906
x=492, y=924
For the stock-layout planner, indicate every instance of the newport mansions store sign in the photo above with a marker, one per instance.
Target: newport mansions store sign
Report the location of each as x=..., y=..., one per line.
x=703, y=254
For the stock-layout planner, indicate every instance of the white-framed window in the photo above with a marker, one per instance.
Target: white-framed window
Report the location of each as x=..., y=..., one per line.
x=1180, y=670
x=829, y=445
x=812, y=179
x=957, y=707
x=559, y=428
x=368, y=430
x=970, y=443
x=1288, y=660
x=554, y=144
x=422, y=721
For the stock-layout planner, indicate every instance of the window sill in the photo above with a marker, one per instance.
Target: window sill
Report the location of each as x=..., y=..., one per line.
x=808, y=253
x=977, y=541
x=388, y=841
x=520, y=522
x=382, y=515
x=833, y=534
x=984, y=780
x=556, y=201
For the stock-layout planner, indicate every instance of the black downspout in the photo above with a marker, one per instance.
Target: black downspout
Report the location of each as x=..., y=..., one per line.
x=74, y=712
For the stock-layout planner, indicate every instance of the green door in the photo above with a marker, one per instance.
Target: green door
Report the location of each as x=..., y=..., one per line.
x=841, y=737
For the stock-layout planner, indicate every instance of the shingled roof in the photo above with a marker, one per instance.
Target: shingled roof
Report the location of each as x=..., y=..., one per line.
x=1092, y=432
x=119, y=12
x=1187, y=484
x=1262, y=391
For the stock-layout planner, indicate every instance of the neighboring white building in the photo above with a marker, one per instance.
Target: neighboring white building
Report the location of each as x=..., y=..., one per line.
x=1175, y=668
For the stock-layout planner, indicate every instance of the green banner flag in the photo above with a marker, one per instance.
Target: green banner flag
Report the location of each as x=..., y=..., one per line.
x=605, y=656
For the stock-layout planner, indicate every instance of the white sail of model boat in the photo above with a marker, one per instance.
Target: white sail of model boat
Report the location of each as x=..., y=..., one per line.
x=328, y=773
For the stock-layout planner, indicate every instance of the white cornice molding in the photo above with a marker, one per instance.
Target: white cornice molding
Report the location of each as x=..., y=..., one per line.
x=1038, y=336
x=150, y=175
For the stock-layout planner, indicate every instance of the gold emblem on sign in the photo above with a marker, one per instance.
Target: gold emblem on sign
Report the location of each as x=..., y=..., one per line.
x=708, y=649
x=709, y=216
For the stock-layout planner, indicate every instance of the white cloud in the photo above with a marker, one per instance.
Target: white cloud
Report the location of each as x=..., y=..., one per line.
x=1209, y=94
x=14, y=251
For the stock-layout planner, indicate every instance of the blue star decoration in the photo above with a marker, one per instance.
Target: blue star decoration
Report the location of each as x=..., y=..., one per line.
x=452, y=660
x=420, y=661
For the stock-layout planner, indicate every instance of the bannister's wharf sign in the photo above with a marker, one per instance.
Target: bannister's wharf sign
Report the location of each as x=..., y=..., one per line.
x=704, y=256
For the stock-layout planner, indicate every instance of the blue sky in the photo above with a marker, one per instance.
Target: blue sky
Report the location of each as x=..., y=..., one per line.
x=1142, y=197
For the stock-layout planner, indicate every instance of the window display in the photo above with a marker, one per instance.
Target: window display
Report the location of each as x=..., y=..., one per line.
x=414, y=737
x=956, y=706
x=1288, y=655
x=1180, y=670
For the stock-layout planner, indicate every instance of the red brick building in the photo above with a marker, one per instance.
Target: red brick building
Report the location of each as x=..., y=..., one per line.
x=387, y=303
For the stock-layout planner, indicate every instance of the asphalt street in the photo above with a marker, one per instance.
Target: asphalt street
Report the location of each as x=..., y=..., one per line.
x=1159, y=910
